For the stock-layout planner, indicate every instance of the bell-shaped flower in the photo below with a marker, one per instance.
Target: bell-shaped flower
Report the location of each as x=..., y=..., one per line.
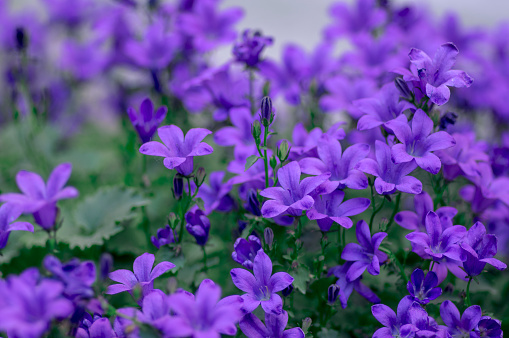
x=423, y=289
x=146, y=120
x=246, y=250
x=215, y=195
x=198, y=225
x=460, y=326
x=8, y=214
x=304, y=143
x=164, y=236
x=274, y=326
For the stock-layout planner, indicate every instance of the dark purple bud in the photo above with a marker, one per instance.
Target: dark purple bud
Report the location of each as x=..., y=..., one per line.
x=403, y=88
x=332, y=293
x=178, y=186
x=268, y=236
x=155, y=80
x=288, y=290
x=266, y=112
x=199, y=178
x=449, y=119
x=253, y=205
x=242, y=225
x=21, y=39
x=105, y=265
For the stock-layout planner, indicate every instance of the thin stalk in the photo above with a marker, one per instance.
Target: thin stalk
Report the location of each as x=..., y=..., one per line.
x=396, y=209
x=469, y=302
x=204, y=258
x=395, y=260
x=265, y=157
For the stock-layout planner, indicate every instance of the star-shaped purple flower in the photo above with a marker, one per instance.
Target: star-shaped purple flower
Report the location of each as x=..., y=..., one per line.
x=460, y=326
x=146, y=120
x=8, y=214
x=216, y=195
x=274, y=326
x=417, y=143
x=365, y=255
x=261, y=287
x=178, y=152
x=389, y=175
x=423, y=289
x=246, y=250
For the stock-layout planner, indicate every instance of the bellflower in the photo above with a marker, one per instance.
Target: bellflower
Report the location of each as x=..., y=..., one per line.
x=245, y=250
x=423, y=289
x=304, y=144
x=331, y=208
x=422, y=205
x=460, y=326
x=365, y=255
x=385, y=106
x=489, y=327
x=164, y=236
x=204, y=315
x=274, y=326
x=40, y=199
x=294, y=195
x=8, y=214
x=480, y=248
x=261, y=287
x=389, y=175
x=216, y=195
x=341, y=166
x=142, y=277
x=417, y=143
x=198, y=225
x=248, y=50
x=253, y=204
x=146, y=120
x=362, y=16
x=95, y=327
x=178, y=152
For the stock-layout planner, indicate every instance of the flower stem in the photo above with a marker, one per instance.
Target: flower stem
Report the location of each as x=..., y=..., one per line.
x=265, y=157
x=204, y=258
x=397, y=262
x=469, y=302
x=396, y=209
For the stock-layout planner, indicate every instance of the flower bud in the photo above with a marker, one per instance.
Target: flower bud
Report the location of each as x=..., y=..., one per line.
x=283, y=151
x=242, y=225
x=21, y=39
x=253, y=205
x=268, y=236
x=449, y=119
x=288, y=290
x=306, y=324
x=178, y=186
x=403, y=88
x=332, y=293
x=256, y=130
x=199, y=178
x=266, y=112
x=172, y=220
x=273, y=162
x=105, y=264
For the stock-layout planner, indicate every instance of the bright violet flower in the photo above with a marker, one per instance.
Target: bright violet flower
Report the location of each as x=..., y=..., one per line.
x=460, y=326
x=164, y=236
x=341, y=166
x=216, y=195
x=423, y=289
x=8, y=214
x=248, y=50
x=294, y=195
x=146, y=120
x=177, y=150
x=422, y=205
x=261, y=287
x=365, y=255
x=274, y=326
x=417, y=143
x=204, y=315
x=390, y=176
x=95, y=327
x=385, y=106
x=436, y=75
x=40, y=199
x=142, y=277
x=437, y=242
x=198, y=225
x=331, y=208
x=246, y=250
x=480, y=249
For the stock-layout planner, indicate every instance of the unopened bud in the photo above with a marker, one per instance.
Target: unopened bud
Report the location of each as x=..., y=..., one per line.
x=403, y=88
x=178, y=186
x=283, y=151
x=266, y=112
x=273, y=162
x=268, y=236
x=287, y=291
x=332, y=293
x=172, y=220
x=306, y=324
x=199, y=178
x=105, y=264
x=21, y=39
x=449, y=119
x=256, y=130
x=253, y=205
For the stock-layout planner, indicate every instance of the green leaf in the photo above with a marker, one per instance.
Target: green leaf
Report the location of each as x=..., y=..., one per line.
x=251, y=160
x=300, y=278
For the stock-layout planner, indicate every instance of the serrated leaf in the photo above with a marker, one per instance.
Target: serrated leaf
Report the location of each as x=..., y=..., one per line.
x=300, y=279
x=251, y=160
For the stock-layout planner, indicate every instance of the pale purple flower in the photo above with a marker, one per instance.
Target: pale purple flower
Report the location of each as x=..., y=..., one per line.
x=423, y=289
x=39, y=198
x=8, y=214
x=178, y=152
x=389, y=175
x=329, y=209
x=261, y=287
x=274, y=326
x=146, y=120
x=245, y=250
x=460, y=326
x=365, y=255
x=418, y=142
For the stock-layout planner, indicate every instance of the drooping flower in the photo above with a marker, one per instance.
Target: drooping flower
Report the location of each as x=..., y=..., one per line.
x=274, y=326
x=142, y=277
x=389, y=175
x=9, y=212
x=294, y=195
x=146, y=121
x=198, y=225
x=423, y=289
x=331, y=208
x=245, y=250
x=418, y=143
x=216, y=195
x=457, y=325
x=365, y=255
x=341, y=166
x=164, y=236
x=249, y=49
x=178, y=152
x=40, y=199
x=261, y=287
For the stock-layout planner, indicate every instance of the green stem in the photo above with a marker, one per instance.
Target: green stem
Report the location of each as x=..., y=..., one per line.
x=395, y=260
x=432, y=266
x=469, y=302
x=396, y=209
x=375, y=210
x=265, y=157
x=204, y=258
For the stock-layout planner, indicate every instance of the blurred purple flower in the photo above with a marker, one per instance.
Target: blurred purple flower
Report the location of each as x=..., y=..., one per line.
x=9, y=212
x=245, y=250
x=96, y=327
x=249, y=49
x=216, y=195
x=304, y=144
x=146, y=121
x=274, y=326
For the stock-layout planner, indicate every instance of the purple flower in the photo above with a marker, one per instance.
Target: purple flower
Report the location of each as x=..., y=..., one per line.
x=204, y=315
x=423, y=289
x=261, y=287
x=304, y=144
x=364, y=16
x=422, y=205
x=9, y=212
x=164, y=236
x=248, y=51
x=146, y=120
x=142, y=277
x=390, y=176
x=437, y=242
x=417, y=143
x=198, y=225
x=253, y=204
x=489, y=327
x=382, y=108
x=216, y=195
x=39, y=198
x=435, y=76
x=274, y=326
x=341, y=166
x=460, y=326
x=178, y=152
x=480, y=248
x=29, y=304
x=366, y=255
x=245, y=250
x=95, y=327
x=331, y=208
x=238, y=135
x=294, y=195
